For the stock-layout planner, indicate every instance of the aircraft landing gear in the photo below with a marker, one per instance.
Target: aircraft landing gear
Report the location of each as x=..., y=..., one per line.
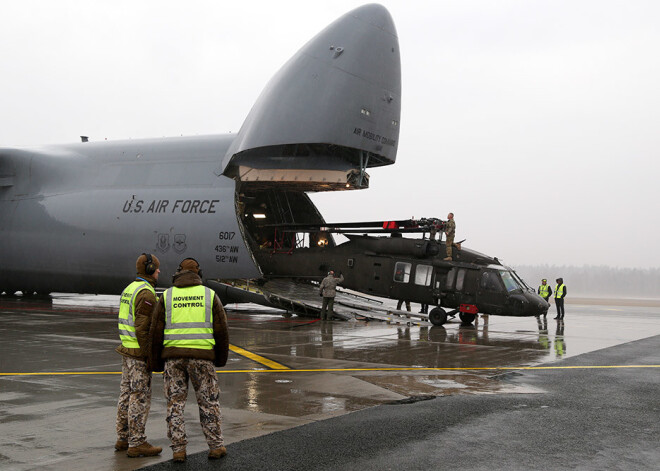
x=437, y=316
x=467, y=318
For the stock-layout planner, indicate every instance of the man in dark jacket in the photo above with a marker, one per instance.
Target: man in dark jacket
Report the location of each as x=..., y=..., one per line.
x=560, y=294
x=189, y=334
x=136, y=306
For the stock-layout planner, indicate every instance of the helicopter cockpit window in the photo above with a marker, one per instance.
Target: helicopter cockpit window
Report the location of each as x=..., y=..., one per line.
x=490, y=281
x=423, y=275
x=402, y=272
x=520, y=281
x=510, y=282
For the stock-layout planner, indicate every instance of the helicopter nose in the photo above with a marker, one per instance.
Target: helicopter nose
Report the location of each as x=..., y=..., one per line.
x=538, y=305
x=543, y=307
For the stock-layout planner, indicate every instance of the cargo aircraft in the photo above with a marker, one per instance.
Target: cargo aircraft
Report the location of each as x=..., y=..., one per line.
x=73, y=217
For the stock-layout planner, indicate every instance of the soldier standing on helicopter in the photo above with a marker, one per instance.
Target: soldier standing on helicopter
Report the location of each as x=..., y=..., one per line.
x=450, y=231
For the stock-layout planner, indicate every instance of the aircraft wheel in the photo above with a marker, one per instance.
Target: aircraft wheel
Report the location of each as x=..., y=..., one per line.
x=467, y=318
x=437, y=316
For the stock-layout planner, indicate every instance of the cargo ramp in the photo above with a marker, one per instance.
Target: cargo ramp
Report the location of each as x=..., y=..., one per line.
x=302, y=298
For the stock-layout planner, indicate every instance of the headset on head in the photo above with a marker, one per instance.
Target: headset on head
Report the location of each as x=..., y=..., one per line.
x=149, y=265
x=199, y=270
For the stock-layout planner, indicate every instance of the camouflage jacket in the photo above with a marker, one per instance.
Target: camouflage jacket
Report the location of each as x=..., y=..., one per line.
x=450, y=228
x=328, y=287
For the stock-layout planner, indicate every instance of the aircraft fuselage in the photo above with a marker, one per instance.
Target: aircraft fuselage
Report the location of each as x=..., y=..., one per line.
x=72, y=226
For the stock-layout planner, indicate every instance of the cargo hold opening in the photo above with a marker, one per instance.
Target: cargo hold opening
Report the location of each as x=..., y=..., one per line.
x=265, y=215
x=303, y=167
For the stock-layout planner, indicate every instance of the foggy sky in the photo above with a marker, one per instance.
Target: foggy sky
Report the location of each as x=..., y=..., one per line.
x=536, y=122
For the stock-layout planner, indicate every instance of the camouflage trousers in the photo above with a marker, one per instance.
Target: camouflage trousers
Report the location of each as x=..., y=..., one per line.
x=205, y=383
x=449, y=244
x=327, y=308
x=134, y=401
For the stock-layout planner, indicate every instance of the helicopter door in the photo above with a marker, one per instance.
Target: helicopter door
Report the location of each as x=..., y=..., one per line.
x=401, y=279
x=374, y=283
x=439, y=284
x=491, y=293
x=423, y=284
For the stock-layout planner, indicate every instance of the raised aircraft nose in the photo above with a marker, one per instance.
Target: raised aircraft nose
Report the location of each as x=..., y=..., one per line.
x=334, y=106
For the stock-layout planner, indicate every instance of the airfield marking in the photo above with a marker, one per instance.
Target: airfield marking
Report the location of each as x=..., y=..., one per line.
x=258, y=358
x=284, y=369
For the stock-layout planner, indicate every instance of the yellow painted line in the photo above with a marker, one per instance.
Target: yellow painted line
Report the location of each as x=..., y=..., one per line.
x=341, y=370
x=63, y=373
x=258, y=358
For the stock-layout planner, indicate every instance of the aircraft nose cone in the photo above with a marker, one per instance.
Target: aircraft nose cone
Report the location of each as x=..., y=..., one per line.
x=342, y=88
x=376, y=15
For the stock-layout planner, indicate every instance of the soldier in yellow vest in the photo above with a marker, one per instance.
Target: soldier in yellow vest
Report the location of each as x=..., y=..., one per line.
x=136, y=306
x=560, y=294
x=189, y=334
x=545, y=292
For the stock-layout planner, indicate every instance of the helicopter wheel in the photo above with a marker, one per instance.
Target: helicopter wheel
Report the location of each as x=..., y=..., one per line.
x=437, y=316
x=467, y=318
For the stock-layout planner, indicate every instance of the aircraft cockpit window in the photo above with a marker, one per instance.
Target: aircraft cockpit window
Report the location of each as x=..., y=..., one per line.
x=509, y=281
x=490, y=281
x=402, y=272
x=423, y=275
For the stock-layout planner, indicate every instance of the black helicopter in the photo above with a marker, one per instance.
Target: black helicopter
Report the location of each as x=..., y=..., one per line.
x=393, y=266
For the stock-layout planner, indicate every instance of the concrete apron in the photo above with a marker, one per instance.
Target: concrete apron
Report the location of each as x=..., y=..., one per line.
x=59, y=374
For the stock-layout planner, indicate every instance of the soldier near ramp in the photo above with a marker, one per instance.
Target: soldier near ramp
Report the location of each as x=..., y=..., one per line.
x=136, y=306
x=328, y=289
x=189, y=334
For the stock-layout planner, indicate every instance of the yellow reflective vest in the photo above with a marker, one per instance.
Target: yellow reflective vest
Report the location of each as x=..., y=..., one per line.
x=127, y=312
x=544, y=291
x=189, y=317
x=559, y=291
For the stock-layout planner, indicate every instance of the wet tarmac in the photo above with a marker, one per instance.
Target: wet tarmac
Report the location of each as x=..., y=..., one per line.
x=59, y=374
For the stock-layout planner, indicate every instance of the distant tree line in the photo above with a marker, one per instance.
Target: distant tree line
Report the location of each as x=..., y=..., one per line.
x=597, y=281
